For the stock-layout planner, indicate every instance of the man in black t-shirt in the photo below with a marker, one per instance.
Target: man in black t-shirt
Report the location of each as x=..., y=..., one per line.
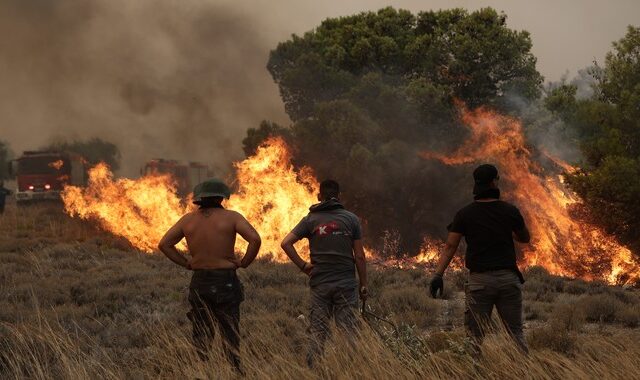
x=335, y=244
x=3, y=193
x=489, y=227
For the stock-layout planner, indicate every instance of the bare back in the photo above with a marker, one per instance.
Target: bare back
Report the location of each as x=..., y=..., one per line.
x=211, y=237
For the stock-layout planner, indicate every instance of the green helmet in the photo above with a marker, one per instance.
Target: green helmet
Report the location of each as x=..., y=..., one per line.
x=211, y=188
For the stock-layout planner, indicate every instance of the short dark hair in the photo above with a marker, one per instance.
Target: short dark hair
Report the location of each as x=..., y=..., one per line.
x=329, y=189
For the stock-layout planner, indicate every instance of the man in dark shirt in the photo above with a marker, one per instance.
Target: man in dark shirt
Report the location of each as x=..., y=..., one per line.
x=336, y=252
x=489, y=227
x=3, y=194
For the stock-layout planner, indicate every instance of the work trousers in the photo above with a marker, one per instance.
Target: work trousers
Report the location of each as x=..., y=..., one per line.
x=331, y=300
x=499, y=288
x=215, y=296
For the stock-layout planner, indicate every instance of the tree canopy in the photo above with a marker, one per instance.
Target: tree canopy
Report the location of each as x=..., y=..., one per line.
x=471, y=56
x=367, y=92
x=608, y=126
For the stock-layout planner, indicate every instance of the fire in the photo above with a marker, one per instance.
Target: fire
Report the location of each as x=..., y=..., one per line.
x=274, y=196
x=561, y=244
x=139, y=210
x=56, y=164
x=430, y=251
x=271, y=194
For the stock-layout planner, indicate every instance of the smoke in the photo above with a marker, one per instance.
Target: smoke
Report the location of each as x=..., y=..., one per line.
x=158, y=78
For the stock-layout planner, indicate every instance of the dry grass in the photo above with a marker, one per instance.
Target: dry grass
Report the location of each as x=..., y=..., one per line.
x=76, y=304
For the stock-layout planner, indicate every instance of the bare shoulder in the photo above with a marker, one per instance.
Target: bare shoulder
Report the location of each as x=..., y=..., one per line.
x=186, y=217
x=233, y=215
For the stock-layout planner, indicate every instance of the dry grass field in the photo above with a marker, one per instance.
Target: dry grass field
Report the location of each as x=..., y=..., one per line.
x=76, y=303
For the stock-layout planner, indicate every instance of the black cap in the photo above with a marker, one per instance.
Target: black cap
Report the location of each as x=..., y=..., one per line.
x=483, y=175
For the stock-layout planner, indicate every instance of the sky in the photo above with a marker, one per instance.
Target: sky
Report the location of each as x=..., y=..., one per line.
x=185, y=79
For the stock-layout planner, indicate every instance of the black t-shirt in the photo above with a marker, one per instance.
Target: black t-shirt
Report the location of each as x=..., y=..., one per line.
x=487, y=227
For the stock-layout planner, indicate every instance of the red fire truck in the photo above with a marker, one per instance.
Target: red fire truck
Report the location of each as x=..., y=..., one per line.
x=41, y=175
x=185, y=175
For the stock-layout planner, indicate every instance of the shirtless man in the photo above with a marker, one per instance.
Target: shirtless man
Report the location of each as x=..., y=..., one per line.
x=215, y=292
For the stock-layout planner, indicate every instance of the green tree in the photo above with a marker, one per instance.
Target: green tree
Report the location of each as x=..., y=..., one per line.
x=608, y=126
x=473, y=55
x=94, y=150
x=367, y=92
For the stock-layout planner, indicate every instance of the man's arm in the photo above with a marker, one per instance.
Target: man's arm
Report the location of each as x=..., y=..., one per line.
x=361, y=266
x=248, y=233
x=292, y=253
x=168, y=243
x=450, y=248
x=522, y=235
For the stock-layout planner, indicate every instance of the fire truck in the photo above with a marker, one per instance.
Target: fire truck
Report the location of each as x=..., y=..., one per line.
x=42, y=175
x=185, y=175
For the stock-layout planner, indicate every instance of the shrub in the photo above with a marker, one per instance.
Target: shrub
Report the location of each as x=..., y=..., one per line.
x=576, y=287
x=600, y=307
x=567, y=316
x=539, y=290
x=629, y=315
x=552, y=338
x=535, y=310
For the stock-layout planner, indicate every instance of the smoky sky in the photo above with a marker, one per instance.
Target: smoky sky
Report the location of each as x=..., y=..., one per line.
x=158, y=78
x=185, y=79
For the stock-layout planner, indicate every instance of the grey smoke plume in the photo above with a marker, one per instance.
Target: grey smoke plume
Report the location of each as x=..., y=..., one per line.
x=159, y=78
x=184, y=79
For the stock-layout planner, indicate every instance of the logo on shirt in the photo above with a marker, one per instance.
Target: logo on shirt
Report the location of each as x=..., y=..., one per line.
x=326, y=229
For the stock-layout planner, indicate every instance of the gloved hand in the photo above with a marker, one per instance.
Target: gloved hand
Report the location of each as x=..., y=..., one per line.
x=363, y=293
x=436, y=285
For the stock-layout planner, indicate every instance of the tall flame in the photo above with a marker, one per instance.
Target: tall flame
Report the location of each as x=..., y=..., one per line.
x=271, y=195
x=140, y=210
x=563, y=245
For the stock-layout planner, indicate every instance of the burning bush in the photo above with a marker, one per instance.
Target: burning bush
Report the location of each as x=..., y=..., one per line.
x=607, y=124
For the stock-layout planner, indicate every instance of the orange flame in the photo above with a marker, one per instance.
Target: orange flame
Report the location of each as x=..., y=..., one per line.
x=560, y=243
x=271, y=195
x=430, y=251
x=140, y=210
x=56, y=164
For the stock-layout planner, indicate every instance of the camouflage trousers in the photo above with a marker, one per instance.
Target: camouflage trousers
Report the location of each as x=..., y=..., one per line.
x=215, y=297
x=499, y=288
x=331, y=301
